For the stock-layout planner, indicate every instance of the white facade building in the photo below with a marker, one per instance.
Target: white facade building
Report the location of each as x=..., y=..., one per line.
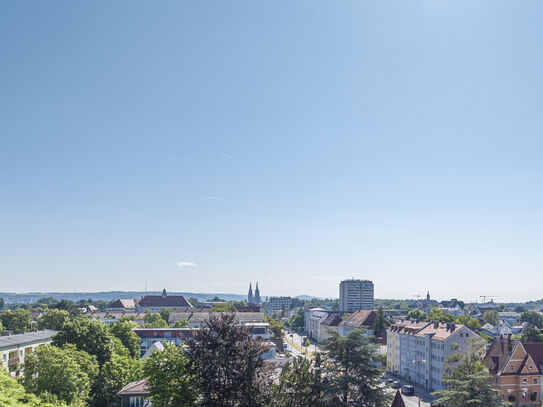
x=418, y=351
x=278, y=304
x=355, y=295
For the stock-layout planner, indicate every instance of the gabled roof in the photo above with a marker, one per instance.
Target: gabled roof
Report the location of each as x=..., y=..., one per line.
x=535, y=350
x=123, y=304
x=332, y=320
x=398, y=400
x=498, y=355
x=359, y=319
x=439, y=331
x=135, y=388
x=171, y=301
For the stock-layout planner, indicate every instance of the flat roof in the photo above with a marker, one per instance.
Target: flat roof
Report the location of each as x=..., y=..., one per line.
x=22, y=339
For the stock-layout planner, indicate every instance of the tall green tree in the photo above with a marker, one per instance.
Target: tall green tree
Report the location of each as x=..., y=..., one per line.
x=165, y=314
x=491, y=317
x=89, y=336
x=13, y=394
x=532, y=317
x=276, y=326
x=227, y=363
x=153, y=320
x=18, y=321
x=123, y=331
x=352, y=377
x=532, y=334
x=300, y=385
x=439, y=315
x=379, y=324
x=54, y=319
x=469, y=321
x=417, y=315
x=65, y=373
x=170, y=378
x=468, y=383
x=115, y=374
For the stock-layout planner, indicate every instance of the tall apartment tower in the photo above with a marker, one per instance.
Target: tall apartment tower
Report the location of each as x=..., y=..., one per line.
x=355, y=295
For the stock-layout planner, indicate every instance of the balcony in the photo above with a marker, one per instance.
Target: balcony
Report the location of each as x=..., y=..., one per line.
x=14, y=361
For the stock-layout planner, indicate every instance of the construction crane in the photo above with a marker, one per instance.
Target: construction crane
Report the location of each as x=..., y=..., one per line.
x=484, y=297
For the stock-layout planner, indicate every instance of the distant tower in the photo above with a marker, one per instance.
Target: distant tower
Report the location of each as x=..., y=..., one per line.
x=250, y=298
x=428, y=296
x=257, y=295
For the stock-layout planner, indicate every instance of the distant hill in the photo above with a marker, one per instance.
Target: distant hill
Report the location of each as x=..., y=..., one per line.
x=28, y=298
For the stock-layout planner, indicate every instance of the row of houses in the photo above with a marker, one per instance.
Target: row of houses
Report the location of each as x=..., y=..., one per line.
x=319, y=322
x=418, y=351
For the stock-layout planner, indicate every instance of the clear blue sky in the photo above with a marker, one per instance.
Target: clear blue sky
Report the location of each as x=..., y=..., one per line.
x=291, y=142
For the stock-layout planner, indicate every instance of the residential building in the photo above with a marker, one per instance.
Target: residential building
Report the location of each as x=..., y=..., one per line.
x=135, y=394
x=315, y=318
x=122, y=305
x=510, y=317
x=361, y=319
x=517, y=369
x=15, y=349
x=111, y=317
x=155, y=303
x=330, y=324
x=355, y=295
x=418, y=351
x=277, y=304
x=197, y=319
x=307, y=317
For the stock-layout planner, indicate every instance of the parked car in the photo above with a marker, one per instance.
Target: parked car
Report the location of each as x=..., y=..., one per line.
x=395, y=384
x=408, y=390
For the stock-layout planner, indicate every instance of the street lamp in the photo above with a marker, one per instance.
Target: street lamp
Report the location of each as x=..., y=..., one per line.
x=418, y=362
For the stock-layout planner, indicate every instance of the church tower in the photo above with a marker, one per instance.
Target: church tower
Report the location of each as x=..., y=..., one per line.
x=250, y=298
x=257, y=295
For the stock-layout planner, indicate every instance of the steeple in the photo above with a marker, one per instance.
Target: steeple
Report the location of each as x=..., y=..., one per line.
x=250, y=298
x=257, y=294
x=428, y=296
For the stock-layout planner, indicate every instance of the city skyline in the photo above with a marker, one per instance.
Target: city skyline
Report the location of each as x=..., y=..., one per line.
x=199, y=148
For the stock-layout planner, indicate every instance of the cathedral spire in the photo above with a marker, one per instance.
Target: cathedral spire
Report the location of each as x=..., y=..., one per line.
x=250, y=298
x=257, y=294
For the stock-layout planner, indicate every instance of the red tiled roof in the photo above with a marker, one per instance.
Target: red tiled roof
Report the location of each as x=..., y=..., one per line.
x=359, y=319
x=135, y=388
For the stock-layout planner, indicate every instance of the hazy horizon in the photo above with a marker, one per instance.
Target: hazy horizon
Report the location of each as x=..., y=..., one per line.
x=200, y=147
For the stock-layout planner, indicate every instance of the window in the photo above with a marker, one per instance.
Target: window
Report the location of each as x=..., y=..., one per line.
x=524, y=381
x=535, y=380
x=512, y=367
x=136, y=402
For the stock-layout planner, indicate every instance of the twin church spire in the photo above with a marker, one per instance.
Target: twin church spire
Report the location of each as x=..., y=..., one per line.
x=254, y=299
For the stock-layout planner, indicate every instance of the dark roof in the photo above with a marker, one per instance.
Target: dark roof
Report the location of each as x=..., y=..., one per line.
x=27, y=338
x=135, y=388
x=359, y=319
x=278, y=344
x=164, y=300
x=332, y=320
x=249, y=308
x=398, y=400
x=498, y=355
x=535, y=350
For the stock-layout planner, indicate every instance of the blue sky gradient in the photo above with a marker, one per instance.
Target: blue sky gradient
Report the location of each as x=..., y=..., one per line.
x=293, y=143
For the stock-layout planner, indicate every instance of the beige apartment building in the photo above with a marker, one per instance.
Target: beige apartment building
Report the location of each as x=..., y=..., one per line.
x=14, y=349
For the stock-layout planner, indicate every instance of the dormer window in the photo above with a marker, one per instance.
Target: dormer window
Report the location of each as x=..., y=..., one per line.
x=530, y=367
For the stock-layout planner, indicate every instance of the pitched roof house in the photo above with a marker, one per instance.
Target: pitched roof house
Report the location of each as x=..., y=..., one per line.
x=357, y=320
x=158, y=302
x=517, y=369
x=135, y=394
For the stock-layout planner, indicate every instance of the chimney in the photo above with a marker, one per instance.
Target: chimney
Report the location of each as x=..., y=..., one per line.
x=453, y=327
x=436, y=324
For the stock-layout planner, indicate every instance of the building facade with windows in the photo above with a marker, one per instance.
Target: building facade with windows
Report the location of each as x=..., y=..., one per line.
x=355, y=294
x=517, y=369
x=419, y=351
x=276, y=304
x=15, y=349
